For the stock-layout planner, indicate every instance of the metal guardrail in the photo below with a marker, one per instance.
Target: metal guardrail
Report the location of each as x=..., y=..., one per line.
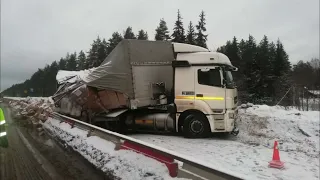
x=191, y=167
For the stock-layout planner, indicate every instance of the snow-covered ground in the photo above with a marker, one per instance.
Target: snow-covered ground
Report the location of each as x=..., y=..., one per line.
x=249, y=153
x=122, y=164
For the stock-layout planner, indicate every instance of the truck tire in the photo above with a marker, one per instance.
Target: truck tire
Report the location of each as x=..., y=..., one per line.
x=196, y=125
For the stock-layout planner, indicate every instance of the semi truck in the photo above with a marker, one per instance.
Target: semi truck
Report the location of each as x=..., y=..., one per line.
x=154, y=86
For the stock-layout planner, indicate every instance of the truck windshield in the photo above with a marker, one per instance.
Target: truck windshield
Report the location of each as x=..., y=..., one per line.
x=229, y=80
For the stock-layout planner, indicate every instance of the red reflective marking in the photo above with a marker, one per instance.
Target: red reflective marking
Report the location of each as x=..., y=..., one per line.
x=168, y=161
x=68, y=121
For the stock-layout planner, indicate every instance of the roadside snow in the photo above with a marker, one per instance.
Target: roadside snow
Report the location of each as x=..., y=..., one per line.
x=262, y=125
x=250, y=152
x=122, y=164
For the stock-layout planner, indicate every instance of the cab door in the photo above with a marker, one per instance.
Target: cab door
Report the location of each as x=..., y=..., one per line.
x=210, y=89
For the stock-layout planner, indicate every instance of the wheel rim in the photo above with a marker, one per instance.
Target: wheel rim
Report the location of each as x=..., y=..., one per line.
x=196, y=126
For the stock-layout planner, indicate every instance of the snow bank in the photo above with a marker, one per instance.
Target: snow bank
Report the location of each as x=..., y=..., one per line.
x=250, y=152
x=122, y=164
x=295, y=130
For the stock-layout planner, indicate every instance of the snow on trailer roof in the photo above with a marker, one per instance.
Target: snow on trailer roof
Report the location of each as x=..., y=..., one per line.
x=72, y=76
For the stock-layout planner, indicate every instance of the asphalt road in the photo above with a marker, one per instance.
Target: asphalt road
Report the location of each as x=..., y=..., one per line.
x=33, y=157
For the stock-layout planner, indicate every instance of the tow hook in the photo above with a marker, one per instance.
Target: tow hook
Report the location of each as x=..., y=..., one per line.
x=235, y=131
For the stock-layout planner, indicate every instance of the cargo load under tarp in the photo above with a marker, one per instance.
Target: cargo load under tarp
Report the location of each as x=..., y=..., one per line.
x=135, y=74
x=139, y=69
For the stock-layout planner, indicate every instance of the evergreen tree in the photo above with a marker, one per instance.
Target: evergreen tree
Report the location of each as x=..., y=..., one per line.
x=162, y=33
x=234, y=53
x=272, y=58
x=87, y=62
x=303, y=74
x=201, y=39
x=315, y=64
x=97, y=53
x=178, y=30
x=264, y=62
x=50, y=79
x=128, y=34
x=242, y=47
x=81, y=62
x=281, y=64
x=72, y=62
x=272, y=77
x=102, y=51
x=142, y=35
x=191, y=35
x=62, y=64
x=232, y=50
x=93, y=59
x=54, y=68
x=113, y=41
x=250, y=70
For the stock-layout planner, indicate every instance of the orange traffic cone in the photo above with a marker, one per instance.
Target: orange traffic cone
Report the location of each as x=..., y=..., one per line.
x=276, y=163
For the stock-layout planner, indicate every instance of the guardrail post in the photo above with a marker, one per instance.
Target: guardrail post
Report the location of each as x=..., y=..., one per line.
x=90, y=132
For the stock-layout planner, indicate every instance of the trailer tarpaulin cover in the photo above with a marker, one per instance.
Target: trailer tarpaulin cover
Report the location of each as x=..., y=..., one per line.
x=64, y=76
x=115, y=72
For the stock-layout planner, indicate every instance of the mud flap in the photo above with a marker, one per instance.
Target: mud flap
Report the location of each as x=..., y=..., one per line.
x=235, y=131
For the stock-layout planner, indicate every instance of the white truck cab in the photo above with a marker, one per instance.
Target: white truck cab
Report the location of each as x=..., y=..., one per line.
x=205, y=94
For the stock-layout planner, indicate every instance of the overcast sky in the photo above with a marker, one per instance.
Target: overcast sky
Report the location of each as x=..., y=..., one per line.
x=37, y=32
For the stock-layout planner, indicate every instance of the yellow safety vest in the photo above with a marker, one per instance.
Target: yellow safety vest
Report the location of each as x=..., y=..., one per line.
x=2, y=124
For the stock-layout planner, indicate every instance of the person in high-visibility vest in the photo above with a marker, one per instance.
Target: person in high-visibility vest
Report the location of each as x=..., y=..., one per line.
x=3, y=132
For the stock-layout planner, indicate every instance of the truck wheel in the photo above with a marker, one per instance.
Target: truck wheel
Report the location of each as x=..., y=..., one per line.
x=196, y=126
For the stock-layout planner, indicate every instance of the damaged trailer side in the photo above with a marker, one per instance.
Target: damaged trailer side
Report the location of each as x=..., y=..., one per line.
x=134, y=75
